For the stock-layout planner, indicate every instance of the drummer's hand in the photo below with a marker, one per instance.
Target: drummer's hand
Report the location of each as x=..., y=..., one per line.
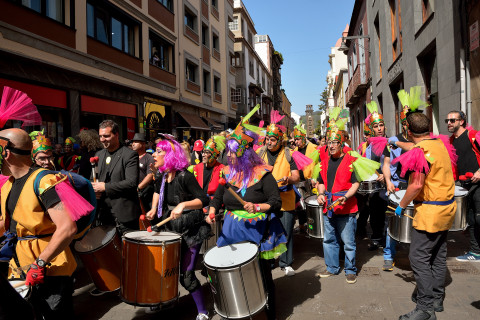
x=476, y=177
x=177, y=211
x=284, y=180
x=390, y=187
x=150, y=214
x=210, y=218
x=399, y=211
x=381, y=178
x=321, y=199
x=313, y=182
x=342, y=200
x=98, y=186
x=249, y=207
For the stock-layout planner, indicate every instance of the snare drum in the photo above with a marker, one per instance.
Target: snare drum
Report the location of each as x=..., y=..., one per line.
x=100, y=252
x=371, y=185
x=236, y=280
x=151, y=267
x=400, y=228
x=314, y=218
x=460, y=221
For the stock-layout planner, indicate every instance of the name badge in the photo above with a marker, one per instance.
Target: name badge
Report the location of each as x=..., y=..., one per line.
x=108, y=160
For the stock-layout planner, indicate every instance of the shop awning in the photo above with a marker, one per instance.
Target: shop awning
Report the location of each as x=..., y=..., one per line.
x=40, y=95
x=214, y=124
x=193, y=121
x=98, y=105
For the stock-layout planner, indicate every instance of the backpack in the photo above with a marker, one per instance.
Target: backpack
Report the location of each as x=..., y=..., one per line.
x=83, y=188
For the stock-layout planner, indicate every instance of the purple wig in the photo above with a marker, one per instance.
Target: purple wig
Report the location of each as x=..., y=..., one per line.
x=243, y=166
x=175, y=159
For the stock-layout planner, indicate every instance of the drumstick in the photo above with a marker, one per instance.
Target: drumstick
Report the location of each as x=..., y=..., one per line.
x=16, y=285
x=93, y=162
x=406, y=215
x=158, y=225
x=233, y=193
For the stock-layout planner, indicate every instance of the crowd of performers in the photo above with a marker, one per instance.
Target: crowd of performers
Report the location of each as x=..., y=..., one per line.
x=249, y=181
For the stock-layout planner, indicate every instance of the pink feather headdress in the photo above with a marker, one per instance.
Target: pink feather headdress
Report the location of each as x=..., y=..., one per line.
x=276, y=117
x=16, y=105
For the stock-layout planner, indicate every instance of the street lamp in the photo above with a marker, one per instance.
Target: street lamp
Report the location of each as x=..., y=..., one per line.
x=343, y=47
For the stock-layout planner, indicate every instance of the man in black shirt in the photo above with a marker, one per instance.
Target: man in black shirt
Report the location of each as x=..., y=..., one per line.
x=145, y=175
x=468, y=151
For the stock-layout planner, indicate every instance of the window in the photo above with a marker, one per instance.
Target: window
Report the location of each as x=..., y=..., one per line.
x=206, y=82
x=205, y=36
x=167, y=4
x=427, y=10
x=261, y=38
x=191, y=70
x=354, y=56
x=236, y=95
x=232, y=60
x=396, y=27
x=49, y=8
x=190, y=20
x=250, y=38
x=237, y=60
x=263, y=81
x=233, y=26
x=250, y=68
x=112, y=28
x=215, y=4
x=379, y=46
x=216, y=85
x=161, y=52
x=215, y=42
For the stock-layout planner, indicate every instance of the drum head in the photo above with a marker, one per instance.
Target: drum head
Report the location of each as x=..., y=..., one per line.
x=312, y=200
x=95, y=238
x=151, y=237
x=460, y=192
x=230, y=255
x=398, y=196
x=22, y=290
x=372, y=178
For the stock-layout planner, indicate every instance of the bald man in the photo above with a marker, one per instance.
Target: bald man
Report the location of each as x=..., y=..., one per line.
x=42, y=227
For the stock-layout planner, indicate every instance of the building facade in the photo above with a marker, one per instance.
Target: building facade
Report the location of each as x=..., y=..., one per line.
x=286, y=110
x=149, y=65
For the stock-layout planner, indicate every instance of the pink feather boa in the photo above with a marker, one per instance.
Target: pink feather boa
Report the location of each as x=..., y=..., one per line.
x=413, y=160
x=75, y=204
x=300, y=160
x=3, y=179
x=378, y=145
x=450, y=148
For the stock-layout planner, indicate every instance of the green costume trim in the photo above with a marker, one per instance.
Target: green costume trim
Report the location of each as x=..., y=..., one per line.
x=243, y=214
x=274, y=253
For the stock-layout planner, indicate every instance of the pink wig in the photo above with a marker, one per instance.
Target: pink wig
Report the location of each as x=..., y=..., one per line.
x=175, y=159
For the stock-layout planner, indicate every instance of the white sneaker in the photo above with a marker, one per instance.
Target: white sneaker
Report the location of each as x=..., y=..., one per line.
x=202, y=316
x=289, y=272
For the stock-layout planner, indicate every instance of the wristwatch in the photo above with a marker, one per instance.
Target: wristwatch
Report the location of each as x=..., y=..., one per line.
x=257, y=208
x=41, y=263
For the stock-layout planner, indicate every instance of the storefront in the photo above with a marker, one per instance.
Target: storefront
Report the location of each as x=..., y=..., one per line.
x=191, y=125
x=157, y=119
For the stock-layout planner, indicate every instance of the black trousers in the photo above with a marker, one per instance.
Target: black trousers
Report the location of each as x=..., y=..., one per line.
x=53, y=299
x=266, y=266
x=376, y=211
x=473, y=219
x=428, y=259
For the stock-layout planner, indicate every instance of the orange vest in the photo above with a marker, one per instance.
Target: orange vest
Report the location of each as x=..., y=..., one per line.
x=439, y=186
x=32, y=220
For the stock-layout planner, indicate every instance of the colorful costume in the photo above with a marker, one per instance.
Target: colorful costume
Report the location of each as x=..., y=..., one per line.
x=68, y=162
x=215, y=146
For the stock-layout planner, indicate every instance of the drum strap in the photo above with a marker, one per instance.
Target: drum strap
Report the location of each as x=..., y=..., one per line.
x=438, y=203
x=329, y=200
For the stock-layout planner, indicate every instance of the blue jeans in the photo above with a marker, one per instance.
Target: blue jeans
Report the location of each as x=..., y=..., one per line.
x=288, y=220
x=389, y=250
x=340, y=226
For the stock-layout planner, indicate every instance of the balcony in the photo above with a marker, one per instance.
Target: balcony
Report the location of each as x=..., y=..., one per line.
x=358, y=85
x=206, y=55
x=205, y=9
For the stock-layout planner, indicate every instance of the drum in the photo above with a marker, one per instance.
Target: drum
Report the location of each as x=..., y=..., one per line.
x=212, y=241
x=370, y=185
x=236, y=280
x=314, y=218
x=460, y=221
x=20, y=287
x=400, y=228
x=100, y=252
x=151, y=267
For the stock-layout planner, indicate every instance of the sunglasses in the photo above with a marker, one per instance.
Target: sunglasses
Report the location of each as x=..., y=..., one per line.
x=451, y=120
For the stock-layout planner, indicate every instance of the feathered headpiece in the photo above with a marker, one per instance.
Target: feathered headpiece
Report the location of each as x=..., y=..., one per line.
x=375, y=116
x=366, y=129
x=411, y=102
x=215, y=145
x=16, y=105
x=69, y=141
x=336, y=130
x=240, y=135
x=333, y=116
x=299, y=131
x=274, y=129
x=40, y=143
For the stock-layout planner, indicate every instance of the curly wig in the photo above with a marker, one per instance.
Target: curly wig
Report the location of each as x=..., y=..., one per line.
x=175, y=159
x=90, y=139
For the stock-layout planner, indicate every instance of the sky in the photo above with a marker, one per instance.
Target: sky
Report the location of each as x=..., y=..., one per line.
x=303, y=31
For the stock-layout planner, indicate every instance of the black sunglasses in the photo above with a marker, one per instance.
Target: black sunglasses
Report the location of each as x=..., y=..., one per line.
x=451, y=120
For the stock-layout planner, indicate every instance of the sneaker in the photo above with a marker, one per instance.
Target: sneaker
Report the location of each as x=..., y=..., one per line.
x=418, y=314
x=324, y=274
x=289, y=271
x=388, y=265
x=469, y=256
x=437, y=303
x=202, y=316
x=95, y=292
x=351, y=278
x=151, y=310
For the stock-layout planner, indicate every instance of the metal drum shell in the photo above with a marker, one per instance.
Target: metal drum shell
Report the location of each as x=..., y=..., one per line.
x=150, y=271
x=370, y=186
x=238, y=291
x=104, y=262
x=400, y=228
x=460, y=220
x=315, y=217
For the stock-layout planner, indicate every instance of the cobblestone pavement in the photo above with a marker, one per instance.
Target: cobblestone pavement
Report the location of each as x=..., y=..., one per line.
x=376, y=295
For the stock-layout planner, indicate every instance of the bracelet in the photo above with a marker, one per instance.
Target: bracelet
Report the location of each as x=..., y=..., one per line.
x=321, y=194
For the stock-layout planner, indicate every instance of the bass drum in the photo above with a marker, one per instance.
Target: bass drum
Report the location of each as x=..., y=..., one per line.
x=100, y=252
